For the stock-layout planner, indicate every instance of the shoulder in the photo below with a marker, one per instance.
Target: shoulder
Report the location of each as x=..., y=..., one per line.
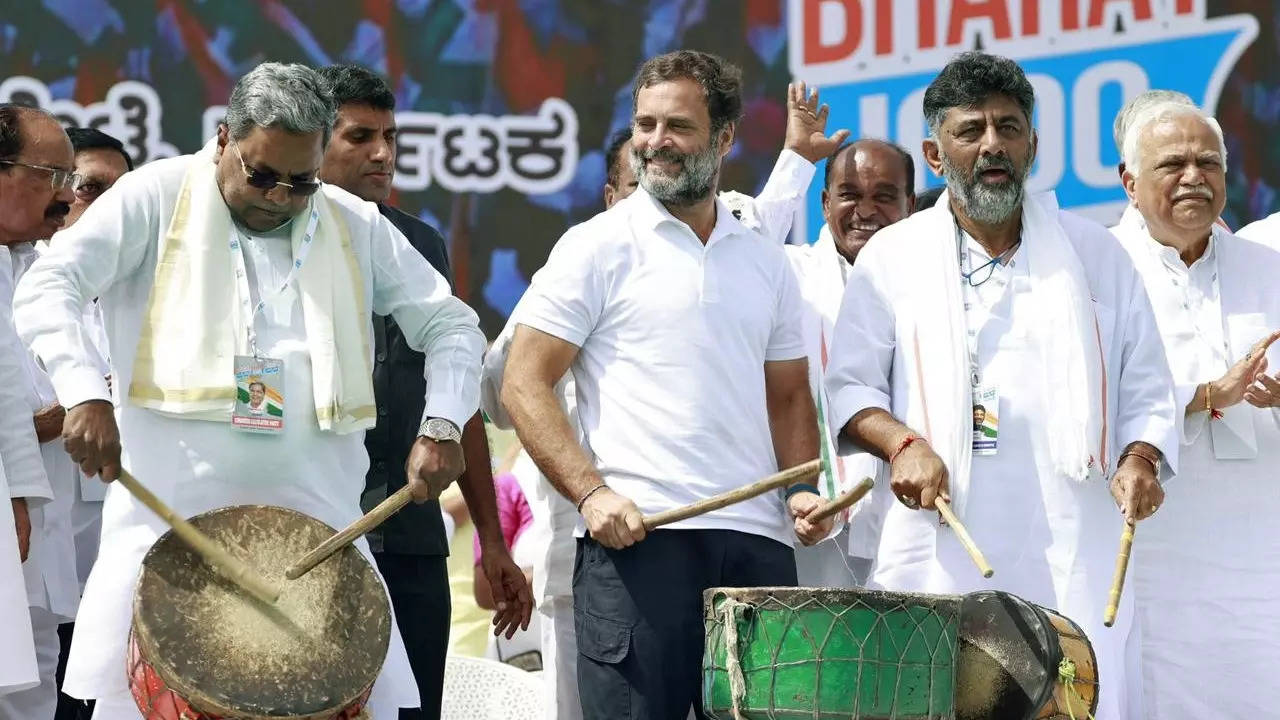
x=1093, y=242
x=351, y=207
x=1266, y=230
x=422, y=236
x=1262, y=260
x=158, y=177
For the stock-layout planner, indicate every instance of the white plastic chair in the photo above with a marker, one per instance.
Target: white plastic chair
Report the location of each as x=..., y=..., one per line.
x=479, y=689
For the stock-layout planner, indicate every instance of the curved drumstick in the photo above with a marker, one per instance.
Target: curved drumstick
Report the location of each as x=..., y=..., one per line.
x=341, y=539
x=217, y=556
x=724, y=499
x=1117, y=581
x=962, y=534
x=846, y=500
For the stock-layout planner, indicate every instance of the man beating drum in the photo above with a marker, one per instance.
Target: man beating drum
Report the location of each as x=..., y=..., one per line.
x=218, y=270
x=682, y=329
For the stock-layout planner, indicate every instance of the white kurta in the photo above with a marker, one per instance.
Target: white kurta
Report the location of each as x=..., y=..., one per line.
x=821, y=272
x=1206, y=567
x=1051, y=540
x=21, y=476
x=86, y=507
x=196, y=466
x=50, y=570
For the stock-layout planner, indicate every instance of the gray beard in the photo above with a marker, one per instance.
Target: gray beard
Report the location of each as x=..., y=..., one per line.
x=694, y=183
x=986, y=204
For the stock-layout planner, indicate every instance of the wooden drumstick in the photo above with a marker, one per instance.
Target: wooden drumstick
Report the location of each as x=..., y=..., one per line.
x=724, y=499
x=846, y=500
x=217, y=556
x=1117, y=581
x=963, y=536
x=341, y=539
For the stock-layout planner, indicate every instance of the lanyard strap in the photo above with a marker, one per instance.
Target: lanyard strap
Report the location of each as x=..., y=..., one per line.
x=970, y=298
x=242, y=276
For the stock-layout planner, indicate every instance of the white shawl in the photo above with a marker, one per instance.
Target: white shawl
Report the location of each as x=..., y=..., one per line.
x=936, y=351
x=193, y=326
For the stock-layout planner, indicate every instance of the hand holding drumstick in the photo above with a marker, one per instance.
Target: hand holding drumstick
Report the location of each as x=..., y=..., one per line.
x=1137, y=491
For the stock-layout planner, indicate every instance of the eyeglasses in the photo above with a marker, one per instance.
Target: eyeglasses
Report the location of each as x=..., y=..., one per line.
x=269, y=180
x=59, y=179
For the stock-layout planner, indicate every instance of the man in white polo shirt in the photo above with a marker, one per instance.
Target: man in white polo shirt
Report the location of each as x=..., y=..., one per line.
x=682, y=330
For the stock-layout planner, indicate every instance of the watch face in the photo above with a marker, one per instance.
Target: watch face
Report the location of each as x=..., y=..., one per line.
x=440, y=429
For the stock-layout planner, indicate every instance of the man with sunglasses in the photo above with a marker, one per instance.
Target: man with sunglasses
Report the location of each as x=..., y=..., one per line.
x=229, y=263
x=410, y=547
x=35, y=188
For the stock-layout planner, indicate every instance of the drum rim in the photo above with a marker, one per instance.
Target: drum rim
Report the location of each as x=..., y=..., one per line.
x=192, y=695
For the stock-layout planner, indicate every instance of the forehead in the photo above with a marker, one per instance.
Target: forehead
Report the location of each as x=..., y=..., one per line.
x=997, y=105
x=870, y=163
x=100, y=159
x=365, y=115
x=45, y=142
x=681, y=96
x=282, y=151
x=1179, y=134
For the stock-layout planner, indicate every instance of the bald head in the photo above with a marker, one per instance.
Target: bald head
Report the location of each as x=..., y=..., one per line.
x=869, y=184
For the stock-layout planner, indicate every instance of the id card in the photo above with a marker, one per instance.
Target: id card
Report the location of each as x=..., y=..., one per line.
x=986, y=420
x=259, y=394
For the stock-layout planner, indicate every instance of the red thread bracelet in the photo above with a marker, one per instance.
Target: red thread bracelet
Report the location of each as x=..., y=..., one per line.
x=903, y=445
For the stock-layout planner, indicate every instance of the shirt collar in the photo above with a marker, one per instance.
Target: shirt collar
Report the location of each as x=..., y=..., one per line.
x=1172, y=260
x=652, y=213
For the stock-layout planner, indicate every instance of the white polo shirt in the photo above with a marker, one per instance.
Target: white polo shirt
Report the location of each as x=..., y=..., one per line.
x=673, y=338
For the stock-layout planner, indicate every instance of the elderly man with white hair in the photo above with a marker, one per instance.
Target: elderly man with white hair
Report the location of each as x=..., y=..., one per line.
x=265, y=271
x=1207, y=566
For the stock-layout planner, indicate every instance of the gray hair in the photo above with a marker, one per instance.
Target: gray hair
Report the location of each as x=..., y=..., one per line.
x=1140, y=102
x=1160, y=112
x=292, y=97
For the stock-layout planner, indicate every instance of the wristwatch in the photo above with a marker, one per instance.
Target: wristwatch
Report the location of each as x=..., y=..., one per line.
x=440, y=430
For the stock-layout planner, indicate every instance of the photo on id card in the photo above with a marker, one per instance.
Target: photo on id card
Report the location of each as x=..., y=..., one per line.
x=259, y=395
x=986, y=421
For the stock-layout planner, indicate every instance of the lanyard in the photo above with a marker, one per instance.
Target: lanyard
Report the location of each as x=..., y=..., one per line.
x=970, y=298
x=242, y=276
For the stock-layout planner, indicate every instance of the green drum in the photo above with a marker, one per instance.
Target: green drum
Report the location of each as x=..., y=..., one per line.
x=827, y=653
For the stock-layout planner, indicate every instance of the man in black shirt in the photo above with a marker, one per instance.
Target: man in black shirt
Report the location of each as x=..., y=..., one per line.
x=410, y=547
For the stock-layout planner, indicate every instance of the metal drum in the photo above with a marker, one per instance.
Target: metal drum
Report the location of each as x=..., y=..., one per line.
x=200, y=649
x=829, y=653
x=1020, y=661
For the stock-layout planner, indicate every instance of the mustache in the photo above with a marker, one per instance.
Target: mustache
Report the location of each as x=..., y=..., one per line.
x=993, y=162
x=57, y=210
x=663, y=154
x=1200, y=191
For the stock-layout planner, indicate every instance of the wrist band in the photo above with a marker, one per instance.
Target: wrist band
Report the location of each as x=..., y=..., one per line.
x=799, y=488
x=590, y=492
x=1155, y=466
x=1214, y=413
x=903, y=445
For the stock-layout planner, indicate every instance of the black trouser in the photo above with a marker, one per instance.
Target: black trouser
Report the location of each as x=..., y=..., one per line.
x=419, y=590
x=639, y=619
x=69, y=708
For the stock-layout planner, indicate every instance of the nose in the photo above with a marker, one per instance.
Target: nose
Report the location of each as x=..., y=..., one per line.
x=383, y=151
x=65, y=194
x=992, y=143
x=278, y=195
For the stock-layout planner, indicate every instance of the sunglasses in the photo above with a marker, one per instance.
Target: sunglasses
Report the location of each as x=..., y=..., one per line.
x=58, y=178
x=269, y=180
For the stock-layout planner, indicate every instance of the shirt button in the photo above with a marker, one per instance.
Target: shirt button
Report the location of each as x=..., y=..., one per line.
x=381, y=466
x=382, y=411
x=381, y=357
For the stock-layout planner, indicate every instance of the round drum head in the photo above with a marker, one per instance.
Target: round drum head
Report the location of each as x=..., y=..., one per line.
x=1007, y=659
x=317, y=649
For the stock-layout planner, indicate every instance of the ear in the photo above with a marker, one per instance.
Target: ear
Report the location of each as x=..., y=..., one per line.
x=1130, y=182
x=609, y=194
x=224, y=136
x=911, y=203
x=1035, y=147
x=932, y=155
x=826, y=203
x=726, y=139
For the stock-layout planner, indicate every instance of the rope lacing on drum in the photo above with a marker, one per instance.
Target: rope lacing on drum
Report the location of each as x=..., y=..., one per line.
x=731, y=613
x=1067, y=676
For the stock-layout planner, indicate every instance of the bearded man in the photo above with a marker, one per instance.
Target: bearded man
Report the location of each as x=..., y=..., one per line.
x=682, y=327
x=999, y=299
